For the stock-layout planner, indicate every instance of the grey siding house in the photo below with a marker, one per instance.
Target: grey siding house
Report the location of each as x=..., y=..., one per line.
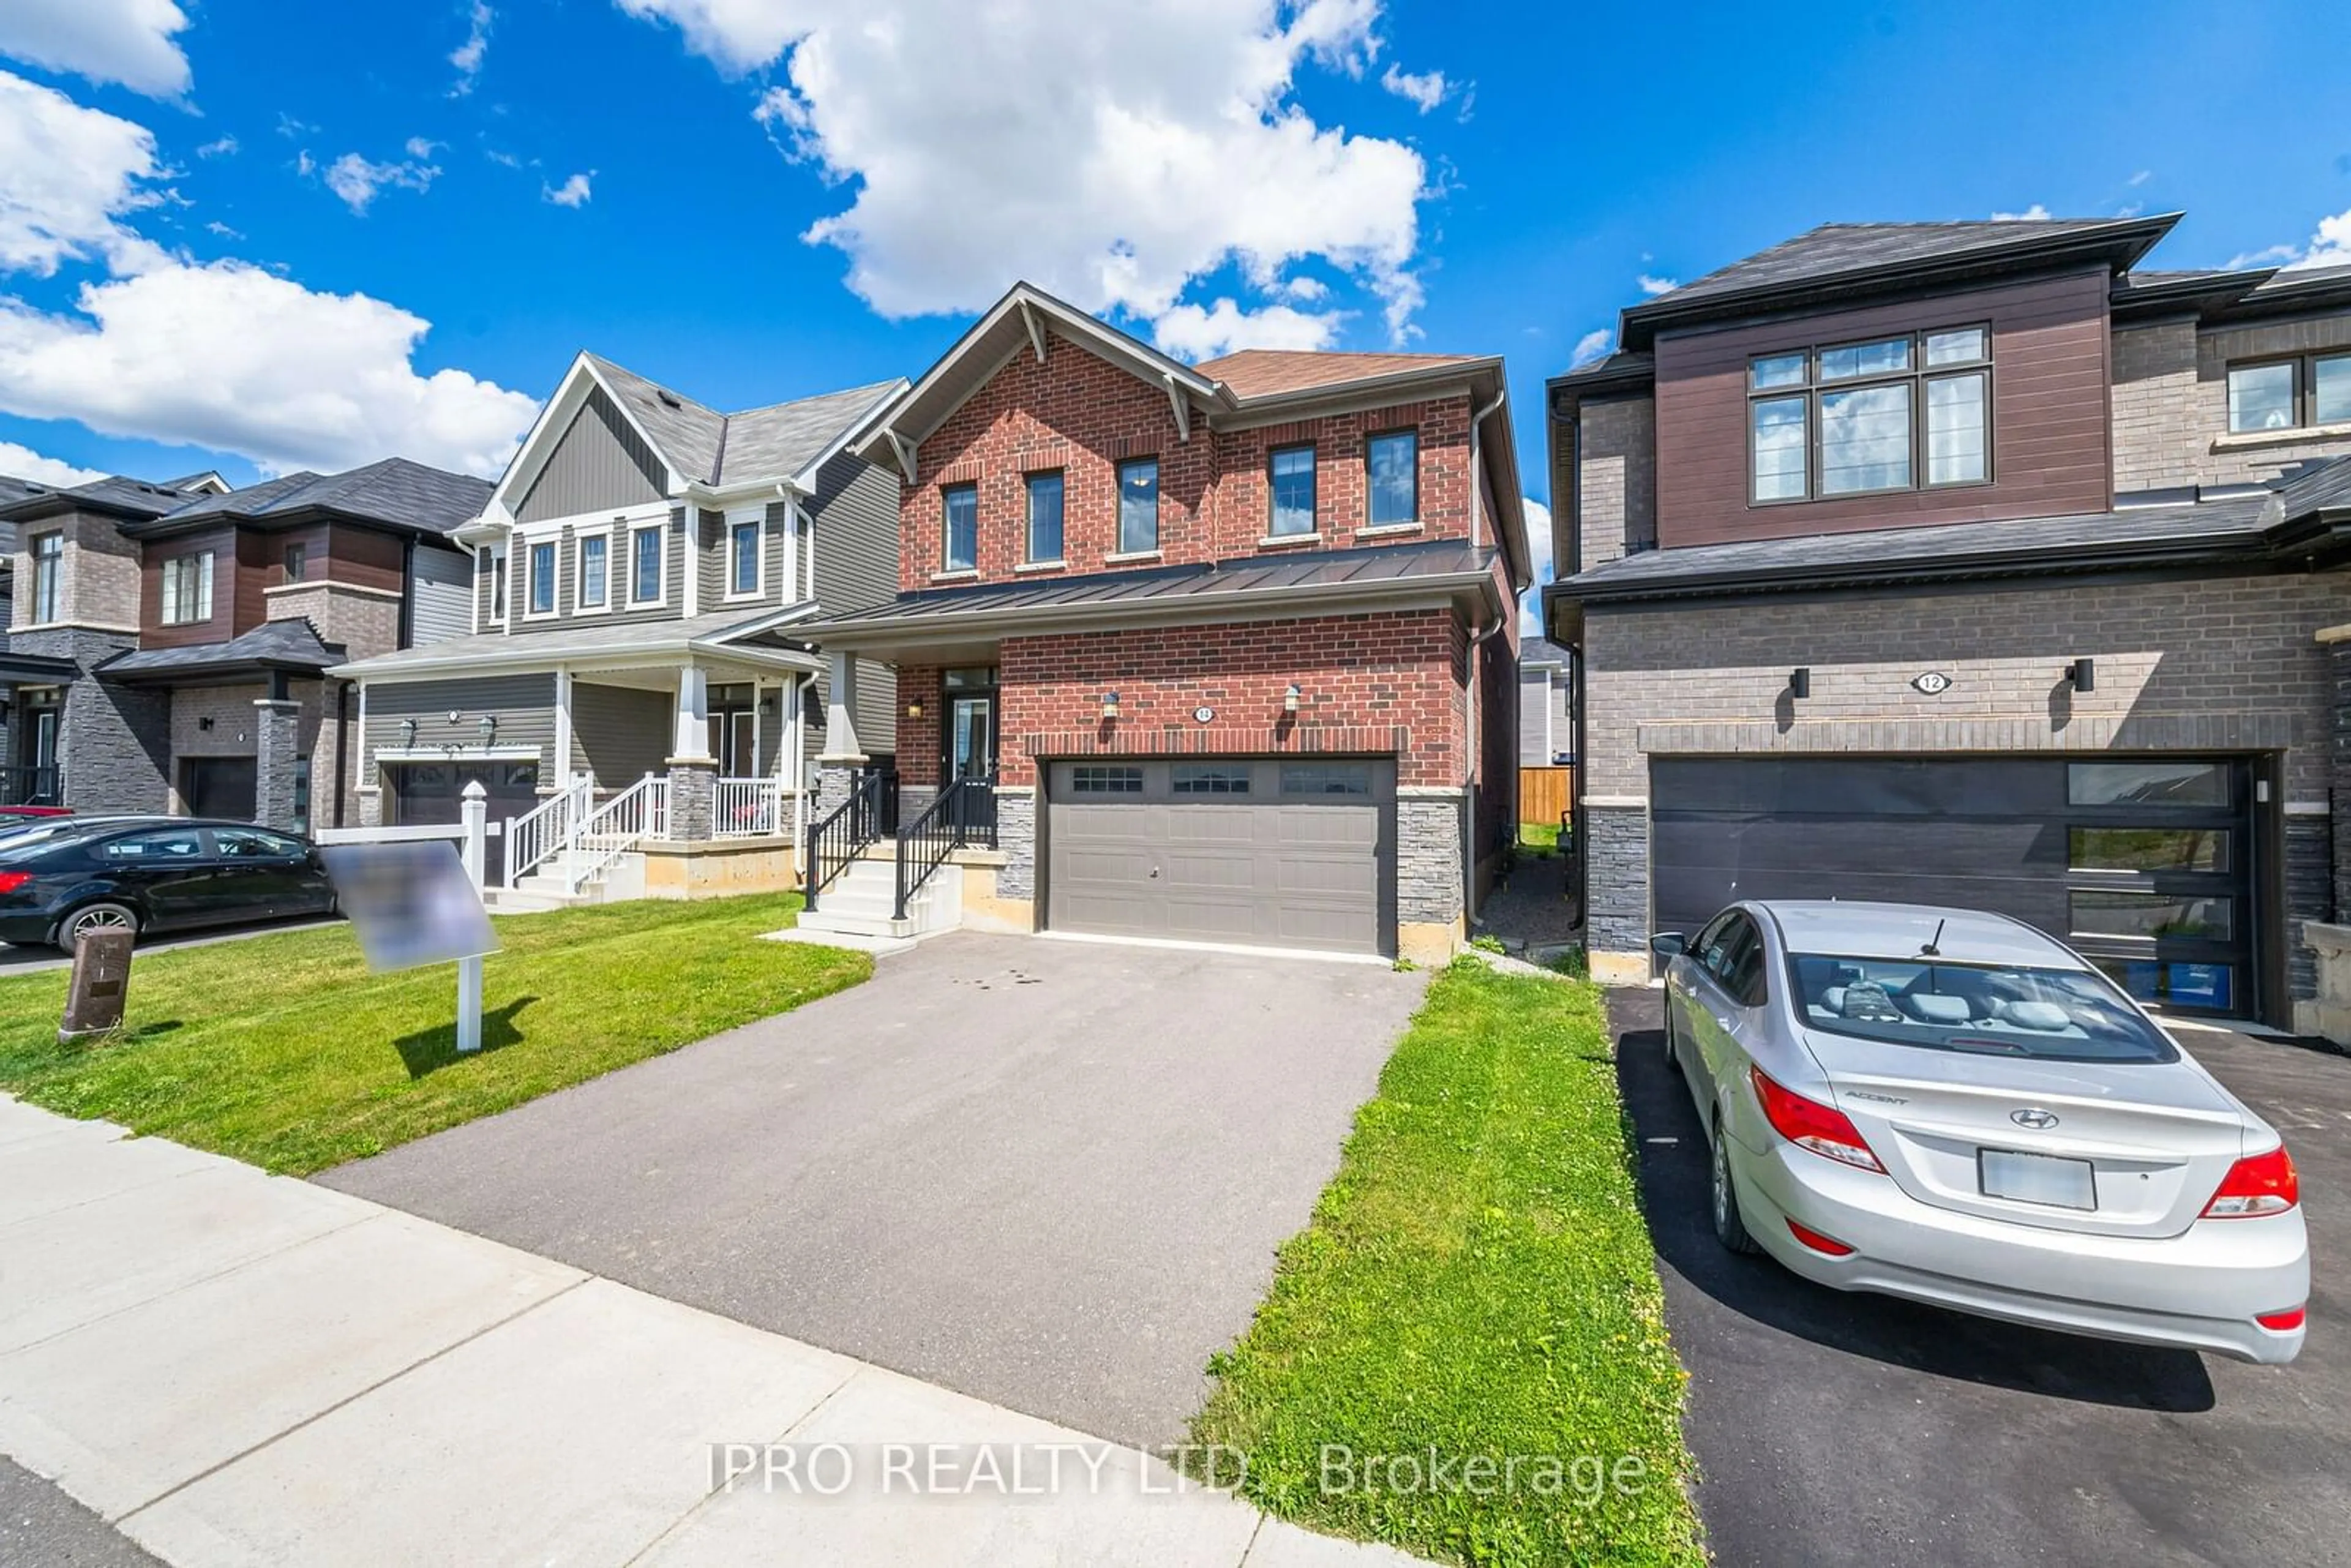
x=628, y=667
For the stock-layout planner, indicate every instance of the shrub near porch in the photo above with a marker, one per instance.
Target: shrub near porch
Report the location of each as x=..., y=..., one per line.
x=283, y=1051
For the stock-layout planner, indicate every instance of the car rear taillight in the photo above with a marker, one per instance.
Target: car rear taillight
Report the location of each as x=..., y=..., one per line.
x=2256, y=1184
x=1818, y=1242
x=1808, y=1124
x=2282, y=1322
x=10, y=881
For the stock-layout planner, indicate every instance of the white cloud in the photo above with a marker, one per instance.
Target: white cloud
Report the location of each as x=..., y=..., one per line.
x=1594, y=345
x=572, y=193
x=223, y=230
x=470, y=54
x=125, y=41
x=2034, y=214
x=67, y=175
x=1168, y=144
x=2141, y=178
x=1304, y=290
x=358, y=181
x=1427, y=89
x=420, y=147
x=1190, y=332
x=225, y=147
x=1538, y=550
x=1652, y=284
x=230, y=357
x=23, y=463
x=291, y=128
x=2331, y=245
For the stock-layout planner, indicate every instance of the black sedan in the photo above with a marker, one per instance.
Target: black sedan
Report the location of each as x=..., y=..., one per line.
x=155, y=875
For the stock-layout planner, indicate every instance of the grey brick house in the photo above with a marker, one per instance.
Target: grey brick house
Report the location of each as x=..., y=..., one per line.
x=168, y=642
x=628, y=669
x=1977, y=563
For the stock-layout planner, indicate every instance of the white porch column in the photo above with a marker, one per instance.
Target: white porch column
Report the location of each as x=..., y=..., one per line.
x=562, y=779
x=693, y=741
x=840, y=745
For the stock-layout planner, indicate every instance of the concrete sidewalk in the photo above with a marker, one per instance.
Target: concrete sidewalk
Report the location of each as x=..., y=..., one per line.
x=235, y=1368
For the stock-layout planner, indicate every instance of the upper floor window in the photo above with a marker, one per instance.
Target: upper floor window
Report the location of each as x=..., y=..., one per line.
x=1392, y=464
x=594, y=584
x=1892, y=413
x=542, y=578
x=743, y=558
x=1045, y=516
x=48, y=577
x=959, y=528
x=297, y=561
x=2290, y=395
x=498, y=586
x=646, y=565
x=1138, y=507
x=1291, y=476
x=188, y=590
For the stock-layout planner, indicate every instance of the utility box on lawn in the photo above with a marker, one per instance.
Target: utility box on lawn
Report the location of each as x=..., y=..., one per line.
x=102, y=981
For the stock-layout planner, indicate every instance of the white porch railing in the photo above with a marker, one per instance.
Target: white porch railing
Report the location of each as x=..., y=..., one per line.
x=750, y=807
x=639, y=812
x=547, y=828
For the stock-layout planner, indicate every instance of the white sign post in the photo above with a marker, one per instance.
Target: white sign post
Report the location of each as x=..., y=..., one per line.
x=474, y=813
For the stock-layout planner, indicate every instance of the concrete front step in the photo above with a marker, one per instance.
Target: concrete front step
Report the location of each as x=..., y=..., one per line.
x=520, y=900
x=862, y=901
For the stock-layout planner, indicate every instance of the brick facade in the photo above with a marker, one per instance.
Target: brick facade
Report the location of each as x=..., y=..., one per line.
x=1082, y=416
x=1616, y=478
x=2171, y=403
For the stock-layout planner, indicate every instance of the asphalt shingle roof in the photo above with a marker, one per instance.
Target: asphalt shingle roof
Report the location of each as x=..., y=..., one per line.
x=1833, y=249
x=2317, y=487
x=394, y=491
x=712, y=448
x=1264, y=372
x=293, y=642
x=573, y=641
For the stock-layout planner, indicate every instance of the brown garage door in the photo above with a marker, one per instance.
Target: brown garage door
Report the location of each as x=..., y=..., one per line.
x=1278, y=853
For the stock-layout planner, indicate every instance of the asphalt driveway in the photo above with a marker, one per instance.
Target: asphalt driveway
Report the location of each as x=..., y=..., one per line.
x=1832, y=1429
x=1048, y=1174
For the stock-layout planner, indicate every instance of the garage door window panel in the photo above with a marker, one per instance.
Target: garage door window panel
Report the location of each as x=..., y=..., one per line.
x=2151, y=916
x=2163, y=783
x=1205, y=779
x=1326, y=778
x=1088, y=780
x=2149, y=850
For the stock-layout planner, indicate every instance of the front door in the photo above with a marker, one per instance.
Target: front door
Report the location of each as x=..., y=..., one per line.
x=971, y=754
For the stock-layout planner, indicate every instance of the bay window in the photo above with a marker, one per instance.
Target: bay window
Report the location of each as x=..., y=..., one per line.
x=188, y=590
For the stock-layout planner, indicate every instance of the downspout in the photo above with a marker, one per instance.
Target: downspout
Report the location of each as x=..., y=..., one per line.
x=799, y=743
x=408, y=593
x=342, y=748
x=1469, y=771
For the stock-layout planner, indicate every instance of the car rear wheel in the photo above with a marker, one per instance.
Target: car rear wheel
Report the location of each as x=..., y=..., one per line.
x=1729, y=1229
x=97, y=917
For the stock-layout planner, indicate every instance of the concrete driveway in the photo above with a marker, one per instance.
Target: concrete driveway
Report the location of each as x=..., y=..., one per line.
x=1832, y=1429
x=1048, y=1174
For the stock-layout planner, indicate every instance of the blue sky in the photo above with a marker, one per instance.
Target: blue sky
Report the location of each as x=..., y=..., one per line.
x=224, y=224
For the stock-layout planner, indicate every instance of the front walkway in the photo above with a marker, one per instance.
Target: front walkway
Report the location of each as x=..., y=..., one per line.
x=234, y=1368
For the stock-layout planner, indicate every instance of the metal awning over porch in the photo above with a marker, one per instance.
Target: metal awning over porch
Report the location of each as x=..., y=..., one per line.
x=755, y=643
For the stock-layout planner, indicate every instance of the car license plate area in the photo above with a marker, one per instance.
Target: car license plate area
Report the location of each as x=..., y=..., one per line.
x=2046, y=1179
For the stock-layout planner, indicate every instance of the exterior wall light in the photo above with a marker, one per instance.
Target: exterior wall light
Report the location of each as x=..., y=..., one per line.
x=1800, y=681
x=408, y=732
x=1290, y=698
x=1110, y=704
x=914, y=709
x=2084, y=675
x=489, y=728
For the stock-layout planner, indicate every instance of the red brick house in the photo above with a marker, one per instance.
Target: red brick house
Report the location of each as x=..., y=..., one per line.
x=1223, y=653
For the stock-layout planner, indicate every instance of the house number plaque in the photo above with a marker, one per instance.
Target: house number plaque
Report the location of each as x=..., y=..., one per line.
x=1205, y=714
x=1934, y=683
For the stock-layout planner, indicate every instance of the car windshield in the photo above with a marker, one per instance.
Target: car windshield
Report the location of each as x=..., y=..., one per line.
x=1987, y=1009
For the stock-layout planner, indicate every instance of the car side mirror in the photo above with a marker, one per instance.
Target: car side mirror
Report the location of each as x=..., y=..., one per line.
x=1669, y=943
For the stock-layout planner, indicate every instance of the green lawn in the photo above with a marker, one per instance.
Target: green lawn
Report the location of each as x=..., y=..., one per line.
x=1539, y=838
x=285, y=1051
x=1477, y=1284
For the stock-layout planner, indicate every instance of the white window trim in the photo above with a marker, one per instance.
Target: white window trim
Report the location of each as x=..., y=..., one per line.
x=659, y=526
x=579, y=605
x=56, y=576
x=531, y=580
x=755, y=519
x=204, y=590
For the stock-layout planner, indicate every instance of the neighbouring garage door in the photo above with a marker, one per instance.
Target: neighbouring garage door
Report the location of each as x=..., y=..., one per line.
x=1288, y=853
x=224, y=786
x=430, y=793
x=2144, y=864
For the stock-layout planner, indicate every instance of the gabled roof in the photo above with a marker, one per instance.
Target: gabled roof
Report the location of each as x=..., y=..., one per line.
x=783, y=439
x=1267, y=372
x=292, y=645
x=687, y=434
x=394, y=493
x=751, y=635
x=115, y=494
x=1839, y=261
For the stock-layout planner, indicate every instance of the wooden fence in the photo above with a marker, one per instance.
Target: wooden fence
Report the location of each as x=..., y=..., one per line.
x=1543, y=793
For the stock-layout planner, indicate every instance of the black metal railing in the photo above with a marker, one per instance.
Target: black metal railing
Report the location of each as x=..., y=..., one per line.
x=842, y=837
x=32, y=786
x=962, y=814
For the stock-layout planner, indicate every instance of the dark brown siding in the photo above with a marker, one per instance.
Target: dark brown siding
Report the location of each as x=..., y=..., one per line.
x=2050, y=426
x=362, y=556
x=228, y=608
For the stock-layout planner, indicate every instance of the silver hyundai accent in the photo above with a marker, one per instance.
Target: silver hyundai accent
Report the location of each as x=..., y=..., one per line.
x=1952, y=1107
